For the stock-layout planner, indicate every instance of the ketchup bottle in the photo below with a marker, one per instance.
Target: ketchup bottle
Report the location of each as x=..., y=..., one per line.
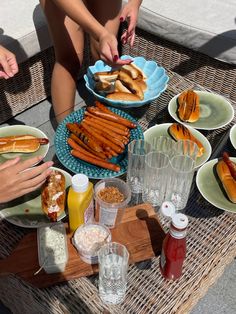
x=174, y=248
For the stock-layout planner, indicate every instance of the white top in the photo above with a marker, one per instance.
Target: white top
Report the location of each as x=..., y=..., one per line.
x=80, y=182
x=179, y=221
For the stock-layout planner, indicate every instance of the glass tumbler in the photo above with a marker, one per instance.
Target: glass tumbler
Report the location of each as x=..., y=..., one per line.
x=137, y=151
x=155, y=178
x=180, y=180
x=164, y=144
x=187, y=147
x=113, y=261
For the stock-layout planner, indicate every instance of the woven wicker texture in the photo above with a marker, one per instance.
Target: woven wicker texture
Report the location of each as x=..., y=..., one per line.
x=211, y=245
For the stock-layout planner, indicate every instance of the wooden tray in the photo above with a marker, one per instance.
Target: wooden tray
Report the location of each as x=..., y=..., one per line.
x=139, y=231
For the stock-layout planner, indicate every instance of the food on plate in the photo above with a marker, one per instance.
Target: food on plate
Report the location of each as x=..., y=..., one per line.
x=188, y=106
x=226, y=171
x=53, y=195
x=127, y=84
x=100, y=136
x=180, y=132
x=21, y=144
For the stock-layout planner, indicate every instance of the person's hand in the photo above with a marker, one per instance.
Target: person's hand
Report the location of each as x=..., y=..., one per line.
x=8, y=63
x=108, y=48
x=18, y=178
x=130, y=14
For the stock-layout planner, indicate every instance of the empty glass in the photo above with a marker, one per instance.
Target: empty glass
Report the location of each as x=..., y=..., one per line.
x=113, y=261
x=164, y=144
x=186, y=147
x=155, y=178
x=137, y=151
x=179, y=180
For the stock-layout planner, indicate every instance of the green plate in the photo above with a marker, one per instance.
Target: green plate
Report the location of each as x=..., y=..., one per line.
x=23, y=130
x=232, y=136
x=26, y=211
x=215, y=111
x=210, y=189
x=162, y=129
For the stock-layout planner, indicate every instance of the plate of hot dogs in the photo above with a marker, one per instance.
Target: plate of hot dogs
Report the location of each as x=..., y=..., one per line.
x=177, y=132
x=93, y=140
x=22, y=140
x=201, y=110
x=216, y=181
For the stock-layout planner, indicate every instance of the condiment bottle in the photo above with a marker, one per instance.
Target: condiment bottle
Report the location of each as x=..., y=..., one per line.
x=80, y=202
x=174, y=248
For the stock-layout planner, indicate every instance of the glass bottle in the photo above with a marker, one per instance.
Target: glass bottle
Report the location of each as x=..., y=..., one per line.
x=174, y=248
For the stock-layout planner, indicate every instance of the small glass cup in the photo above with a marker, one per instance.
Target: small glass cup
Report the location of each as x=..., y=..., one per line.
x=137, y=151
x=155, y=179
x=164, y=144
x=180, y=180
x=187, y=147
x=113, y=261
x=107, y=211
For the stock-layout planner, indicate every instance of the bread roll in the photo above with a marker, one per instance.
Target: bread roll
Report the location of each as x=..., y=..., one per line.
x=119, y=87
x=104, y=87
x=53, y=195
x=180, y=132
x=123, y=96
x=188, y=106
x=20, y=146
x=109, y=76
x=228, y=183
x=131, y=84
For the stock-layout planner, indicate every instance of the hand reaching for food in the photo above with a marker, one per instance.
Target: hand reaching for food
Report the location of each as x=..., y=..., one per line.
x=130, y=14
x=19, y=178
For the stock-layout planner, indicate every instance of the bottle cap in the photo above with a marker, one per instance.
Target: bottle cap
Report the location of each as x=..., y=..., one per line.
x=80, y=182
x=179, y=221
x=168, y=209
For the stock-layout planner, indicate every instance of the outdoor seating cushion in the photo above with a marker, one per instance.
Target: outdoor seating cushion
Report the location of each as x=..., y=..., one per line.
x=23, y=28
x=208, y=26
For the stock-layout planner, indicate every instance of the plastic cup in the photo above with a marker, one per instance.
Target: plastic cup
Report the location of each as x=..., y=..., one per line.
x=111, y=198
x=155, y=179
x=137, y=151
x=113, y=261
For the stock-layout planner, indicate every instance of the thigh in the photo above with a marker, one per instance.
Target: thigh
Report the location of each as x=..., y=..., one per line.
x=68, y=37
x=107, y=12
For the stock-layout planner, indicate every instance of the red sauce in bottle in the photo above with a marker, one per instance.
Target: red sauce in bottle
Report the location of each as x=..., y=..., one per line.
x=174, y=248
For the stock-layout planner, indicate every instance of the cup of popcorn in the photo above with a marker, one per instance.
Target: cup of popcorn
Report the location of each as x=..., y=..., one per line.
x=88, y=239
x=112, y=195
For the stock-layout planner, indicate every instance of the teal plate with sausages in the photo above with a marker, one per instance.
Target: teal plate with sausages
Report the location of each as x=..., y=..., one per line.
x=77, y=165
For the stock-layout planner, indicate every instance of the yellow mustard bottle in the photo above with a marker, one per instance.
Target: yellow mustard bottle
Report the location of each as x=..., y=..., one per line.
x=80, y=201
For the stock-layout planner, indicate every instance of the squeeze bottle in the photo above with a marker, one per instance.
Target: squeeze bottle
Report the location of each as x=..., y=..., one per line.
x=80, y=202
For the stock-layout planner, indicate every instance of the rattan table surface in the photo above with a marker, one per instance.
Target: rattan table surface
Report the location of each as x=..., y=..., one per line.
x=211, y=245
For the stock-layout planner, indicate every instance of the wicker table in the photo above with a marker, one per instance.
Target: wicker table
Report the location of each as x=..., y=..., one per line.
x=211, y=246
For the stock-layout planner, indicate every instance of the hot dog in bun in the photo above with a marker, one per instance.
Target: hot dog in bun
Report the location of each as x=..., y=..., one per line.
x=188, y=106
x=53, y=195
x=226, y=171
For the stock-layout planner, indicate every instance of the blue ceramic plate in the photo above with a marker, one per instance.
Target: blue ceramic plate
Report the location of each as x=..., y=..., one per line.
x=78, y=166
x=157, y=80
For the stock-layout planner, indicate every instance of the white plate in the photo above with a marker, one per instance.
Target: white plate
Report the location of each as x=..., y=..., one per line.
x=215, y=111
x=209, y=187
x=232, y=136
x=23, y=130
x=162, y=129
x=26, y=211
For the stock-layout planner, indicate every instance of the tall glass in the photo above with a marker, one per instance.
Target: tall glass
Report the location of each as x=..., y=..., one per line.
x=137, y=151
x=113, y=261
x=180, y=180
x=187, y=147
x=155, y=178
x=164, y=144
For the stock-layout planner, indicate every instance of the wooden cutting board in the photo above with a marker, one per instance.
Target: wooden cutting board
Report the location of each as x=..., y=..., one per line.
x=139, y=231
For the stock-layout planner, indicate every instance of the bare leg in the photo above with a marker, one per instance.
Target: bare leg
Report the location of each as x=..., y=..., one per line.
x=107, y=12
x=68, y=40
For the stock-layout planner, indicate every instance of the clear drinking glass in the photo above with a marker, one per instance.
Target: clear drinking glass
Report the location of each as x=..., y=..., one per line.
x=137, y=151
x=113, y=261
x=164, y=144
x=180, y=180
x=155, y=178
x=187, y=147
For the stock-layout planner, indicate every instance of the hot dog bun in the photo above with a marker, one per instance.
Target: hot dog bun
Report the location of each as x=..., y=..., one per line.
x=119, y=87
x=188, y=106
x=131, y=84
x=180, y=132
x=123, y=96
x=20, y=146
x=7, y=139
x=228, y=182
x=53, y=195
x=109, y=76
x=104, y=87
x=133, y=71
